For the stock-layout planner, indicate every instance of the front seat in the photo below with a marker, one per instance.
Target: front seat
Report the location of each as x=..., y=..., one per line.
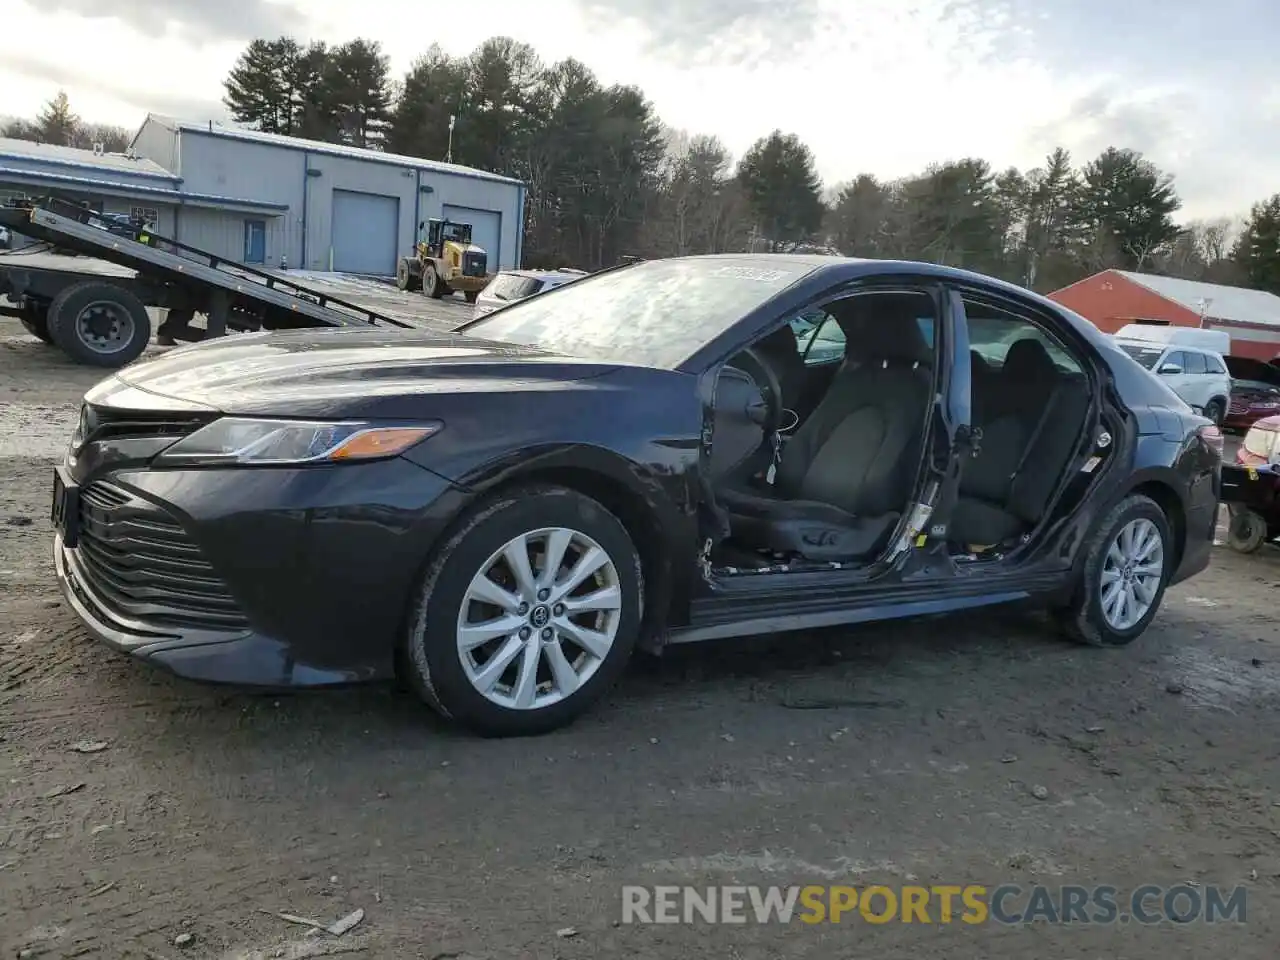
x=847, y=474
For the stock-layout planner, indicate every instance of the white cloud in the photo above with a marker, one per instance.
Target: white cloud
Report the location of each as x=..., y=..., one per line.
x=882, y=86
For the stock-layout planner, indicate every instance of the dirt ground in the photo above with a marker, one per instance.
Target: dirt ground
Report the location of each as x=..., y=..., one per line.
x=978, y=749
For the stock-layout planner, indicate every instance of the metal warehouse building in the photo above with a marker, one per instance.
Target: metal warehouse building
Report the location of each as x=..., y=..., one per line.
x=275, y=200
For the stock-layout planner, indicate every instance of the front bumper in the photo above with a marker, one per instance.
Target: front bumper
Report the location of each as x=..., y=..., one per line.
x=303, y=577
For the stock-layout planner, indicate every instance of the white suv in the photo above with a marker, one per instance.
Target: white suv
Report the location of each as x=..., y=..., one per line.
x=1196, y=375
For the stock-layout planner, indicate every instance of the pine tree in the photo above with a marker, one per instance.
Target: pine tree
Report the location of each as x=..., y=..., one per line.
x=57, y=124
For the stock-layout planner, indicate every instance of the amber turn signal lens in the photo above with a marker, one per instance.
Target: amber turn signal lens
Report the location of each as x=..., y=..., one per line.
x=380, y=442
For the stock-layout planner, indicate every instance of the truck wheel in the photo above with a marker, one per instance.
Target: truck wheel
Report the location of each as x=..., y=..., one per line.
x=35, y=320
x=472, y=295
x=99, y=324
x=405, y=278
x=431, y=284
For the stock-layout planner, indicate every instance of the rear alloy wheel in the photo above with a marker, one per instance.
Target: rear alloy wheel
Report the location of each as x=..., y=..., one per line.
x=1215, y=411
x=1246, y=530
x=528, y=614
x=1127, y=565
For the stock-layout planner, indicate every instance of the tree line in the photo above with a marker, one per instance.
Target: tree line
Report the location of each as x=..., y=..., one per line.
x=59, y=125
x=606, y=178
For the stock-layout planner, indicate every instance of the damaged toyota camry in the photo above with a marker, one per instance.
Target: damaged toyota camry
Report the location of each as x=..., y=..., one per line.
x=673, y=451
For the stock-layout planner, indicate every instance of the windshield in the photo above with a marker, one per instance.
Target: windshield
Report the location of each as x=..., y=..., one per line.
x=657, y=313
x=1144, y=354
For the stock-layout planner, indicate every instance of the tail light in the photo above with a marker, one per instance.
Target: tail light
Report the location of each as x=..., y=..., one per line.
x=1212, y=436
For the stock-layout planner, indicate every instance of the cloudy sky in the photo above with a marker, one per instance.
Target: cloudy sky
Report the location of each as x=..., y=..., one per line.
x=883, y=86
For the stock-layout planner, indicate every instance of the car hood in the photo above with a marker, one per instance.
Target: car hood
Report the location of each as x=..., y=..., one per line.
x=1259, y=371
x=372, y=373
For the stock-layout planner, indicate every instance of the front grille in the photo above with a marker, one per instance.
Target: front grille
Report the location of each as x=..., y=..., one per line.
x=104, y=423
x=141, y=564
x=1238, y=407
x=474, y=264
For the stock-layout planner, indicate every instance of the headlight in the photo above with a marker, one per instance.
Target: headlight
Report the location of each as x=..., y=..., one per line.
x=274, y=442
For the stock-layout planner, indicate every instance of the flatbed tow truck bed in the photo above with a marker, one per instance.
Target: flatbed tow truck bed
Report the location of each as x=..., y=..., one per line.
x=92, y=299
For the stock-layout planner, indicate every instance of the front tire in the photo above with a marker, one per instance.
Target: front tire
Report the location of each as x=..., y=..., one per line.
x=1246, y=530
x=1127, y=565
x=1215, y=410
x=527, y=614
x=431, y=285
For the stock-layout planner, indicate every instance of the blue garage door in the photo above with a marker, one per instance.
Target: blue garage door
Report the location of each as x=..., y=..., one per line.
x=366, y=231
x=486, y=230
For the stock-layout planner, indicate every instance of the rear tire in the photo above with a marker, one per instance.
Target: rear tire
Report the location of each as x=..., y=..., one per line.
x=1215, y=410
x=99, y=324
x=507, y=660
x=406, y=279
x=1246, y=530
x=1120, y=588
x=35, y=320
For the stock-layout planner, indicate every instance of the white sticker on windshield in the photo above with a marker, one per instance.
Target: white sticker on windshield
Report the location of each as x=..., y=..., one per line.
x=751, y=273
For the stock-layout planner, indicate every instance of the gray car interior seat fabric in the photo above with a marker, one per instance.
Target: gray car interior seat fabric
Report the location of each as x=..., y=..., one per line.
x=1030, y=413
x=845, y=477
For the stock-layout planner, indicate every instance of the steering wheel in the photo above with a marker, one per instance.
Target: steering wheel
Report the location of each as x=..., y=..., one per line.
x=767, y=411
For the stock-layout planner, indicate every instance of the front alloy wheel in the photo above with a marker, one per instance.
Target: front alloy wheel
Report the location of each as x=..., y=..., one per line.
x=527, y=614
x=539, y=618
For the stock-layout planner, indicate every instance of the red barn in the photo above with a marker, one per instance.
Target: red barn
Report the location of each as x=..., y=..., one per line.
x=1113, y=298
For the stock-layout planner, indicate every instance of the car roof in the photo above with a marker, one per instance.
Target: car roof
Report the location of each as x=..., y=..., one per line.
x=828, y=269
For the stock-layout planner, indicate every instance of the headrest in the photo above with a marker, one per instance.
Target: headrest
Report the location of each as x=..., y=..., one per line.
x=1028, y=361
x=885, y=327
x=781, y=342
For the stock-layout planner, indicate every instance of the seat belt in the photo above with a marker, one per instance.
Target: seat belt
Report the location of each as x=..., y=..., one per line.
x=1035, y=432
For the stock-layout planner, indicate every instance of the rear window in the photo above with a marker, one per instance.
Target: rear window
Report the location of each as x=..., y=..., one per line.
x=511, y=286
x=1145, y=355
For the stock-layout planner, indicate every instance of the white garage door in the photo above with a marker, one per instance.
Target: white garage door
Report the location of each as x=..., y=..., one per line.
x=366, y=229
x=486, y=230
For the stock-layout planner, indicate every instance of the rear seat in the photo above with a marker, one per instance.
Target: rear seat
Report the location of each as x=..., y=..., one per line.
x=1030, y=414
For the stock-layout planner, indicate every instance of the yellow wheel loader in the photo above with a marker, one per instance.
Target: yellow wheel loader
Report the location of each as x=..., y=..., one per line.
x=444, y=261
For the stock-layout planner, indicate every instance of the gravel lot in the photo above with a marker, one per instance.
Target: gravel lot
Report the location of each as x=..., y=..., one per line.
x=880, y=755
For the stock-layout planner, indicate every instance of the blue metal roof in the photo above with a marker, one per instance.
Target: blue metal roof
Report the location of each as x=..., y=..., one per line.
x=168, y=195
x=331, y=149
x=47, y=154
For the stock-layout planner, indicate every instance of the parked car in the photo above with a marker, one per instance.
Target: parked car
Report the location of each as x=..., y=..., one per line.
x=1251, y=488
x=510, y=286
x=1189, y=360
x=5, y=239
x=1255, y=391
x=647, y=456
